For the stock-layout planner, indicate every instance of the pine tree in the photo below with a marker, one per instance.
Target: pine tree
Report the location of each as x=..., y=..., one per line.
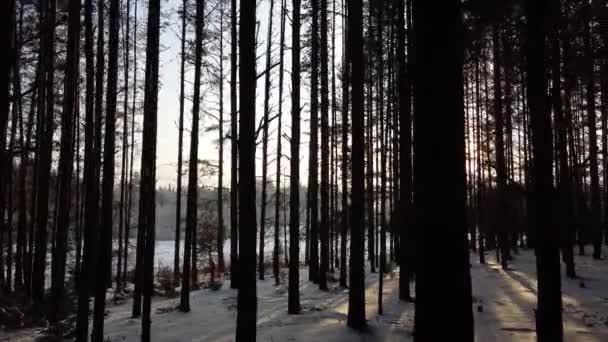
x=356, y=296
x=325, y=225
x=439, y=167
x=313, y=146
x=90, y=206
x=265, y=129
x=107, y=198
x=180, y=144
x=192, y=201
x=549, y=308
x=277, y=219
x=246, y=299
x=293, y=304
x=66, y=158
x=147, y=189
x=46, y=110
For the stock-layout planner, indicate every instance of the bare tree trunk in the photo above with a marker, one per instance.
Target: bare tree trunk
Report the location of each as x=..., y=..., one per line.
x=313, y=153
x=130, y=189
x=46, y=114
x=439, y=153
x=265, y=128
x=345, y=103
x=180, y=147
x=277, y=217
x=356, y=297
x=246, y=300
x=233, y=151
x=220, y=178
x=105, y=255
x=325, y=225
x=66, y=158
x=147, y=190
x=549, y=312
x=90, y=206
x=293, y=304
x=191, y=206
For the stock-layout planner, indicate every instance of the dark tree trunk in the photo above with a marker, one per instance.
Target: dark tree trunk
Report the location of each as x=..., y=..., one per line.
x=180, y=146
x=90, y=206
x=293, y=304
x=220, y=178
x=120, y=275
x=66, y=158
x=265, y=128
x=564, y=185
x=313, y=153
x=405, y=158
x=595, y=219
x=105, y=255
x=147, y=188
x=439, y=166
x=356, y=296
x=345, y=102
x=192, y=201
x=501, y=175
x=129, y=190
x=45, y=149
x=234, y=151
x=277, y=217
x=324, y=228
x=246, y=300
x=549, y=311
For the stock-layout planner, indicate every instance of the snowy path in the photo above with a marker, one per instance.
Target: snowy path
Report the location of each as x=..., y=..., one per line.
x=507, y=298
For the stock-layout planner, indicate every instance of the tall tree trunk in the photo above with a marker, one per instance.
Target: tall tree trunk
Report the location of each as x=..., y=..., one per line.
x=277, y=217
x=220, y=178
x=233, y=151
x=356, y=296
x=549, y=311
x=501, y=176
x=564, y=185
x=192, y=201
x=293, y=303
x=125, y=162
x=45, y=149
x=324, y=228
x=596, y=227
x=246, y=300
x=405, y=158
x=147, y=188
x=107, y=197
x=7, y=16
x=313, y=153
x=20, y=258
x=265, y=129
x=439, y=166
x=90, y=206
x=345, y=102
x=180, y=146
x=66, y=158
x=130, y=187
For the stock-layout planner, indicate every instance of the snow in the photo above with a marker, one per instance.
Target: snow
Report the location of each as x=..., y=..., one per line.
x=508, y=300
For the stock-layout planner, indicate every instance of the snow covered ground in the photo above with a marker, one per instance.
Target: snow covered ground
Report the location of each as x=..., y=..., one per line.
x=507, y=298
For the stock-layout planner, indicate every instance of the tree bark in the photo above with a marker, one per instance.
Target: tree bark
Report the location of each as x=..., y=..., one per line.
x=246, y=299
x=439, y=166
x=192, y=201
x=356, y=296
x=293, y=304
x=66, y=158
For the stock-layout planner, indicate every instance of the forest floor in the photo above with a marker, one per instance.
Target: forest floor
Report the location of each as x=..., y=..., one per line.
x=503, y=307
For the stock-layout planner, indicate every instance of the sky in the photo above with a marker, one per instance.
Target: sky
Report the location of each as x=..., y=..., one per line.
x=168, y=97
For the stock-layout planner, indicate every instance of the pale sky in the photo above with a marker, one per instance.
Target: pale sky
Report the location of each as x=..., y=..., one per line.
x=168, y=97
